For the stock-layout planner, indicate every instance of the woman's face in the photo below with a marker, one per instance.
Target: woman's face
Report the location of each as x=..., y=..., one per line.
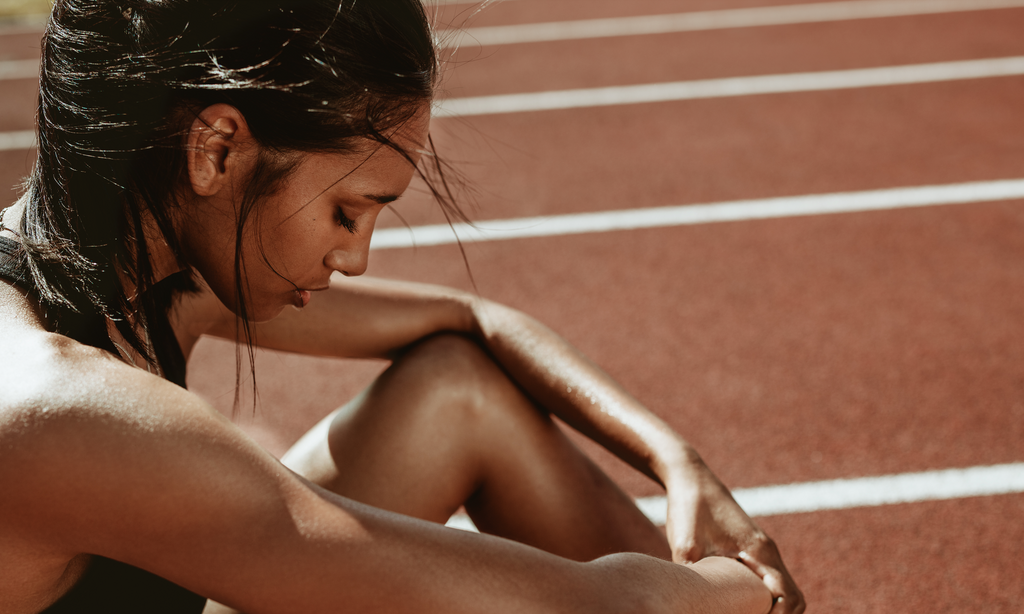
x=318, y=220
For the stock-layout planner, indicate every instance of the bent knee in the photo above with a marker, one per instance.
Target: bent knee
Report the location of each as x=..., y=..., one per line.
x=448, y=357
x=454, y=367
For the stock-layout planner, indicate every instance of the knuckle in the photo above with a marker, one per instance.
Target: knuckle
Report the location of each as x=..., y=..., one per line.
x=689, y=551
x=760, y=542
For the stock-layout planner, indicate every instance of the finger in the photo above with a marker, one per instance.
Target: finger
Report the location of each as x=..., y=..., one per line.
x=755, y=565
x=769, y=575
x=781, y=605
x=788, y=598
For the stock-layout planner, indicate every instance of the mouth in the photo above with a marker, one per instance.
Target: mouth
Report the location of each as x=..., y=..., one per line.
x=301, y=297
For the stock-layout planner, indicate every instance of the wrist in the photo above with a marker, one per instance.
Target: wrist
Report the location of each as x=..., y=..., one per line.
x=678, y=464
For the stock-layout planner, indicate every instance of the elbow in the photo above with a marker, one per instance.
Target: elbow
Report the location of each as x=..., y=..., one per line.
x=486, y=319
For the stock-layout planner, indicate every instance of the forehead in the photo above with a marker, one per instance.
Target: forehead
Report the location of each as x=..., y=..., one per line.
x=375, y=170
x=370, y=168
x=410, y=136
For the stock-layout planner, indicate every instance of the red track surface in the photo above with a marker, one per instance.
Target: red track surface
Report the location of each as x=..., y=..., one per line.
x=787, y=350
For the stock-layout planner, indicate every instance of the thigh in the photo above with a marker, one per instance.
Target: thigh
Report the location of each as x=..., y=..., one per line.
x=406, y=443
x=443, y=427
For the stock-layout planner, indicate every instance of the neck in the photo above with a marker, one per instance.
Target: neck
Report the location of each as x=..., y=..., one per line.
x=162, y=260
x=161, y=257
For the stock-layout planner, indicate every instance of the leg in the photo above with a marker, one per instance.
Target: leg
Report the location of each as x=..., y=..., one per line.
x=443, y=427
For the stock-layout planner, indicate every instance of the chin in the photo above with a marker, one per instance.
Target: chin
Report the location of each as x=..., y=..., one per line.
x=263, y=307
x=260, y=311
x=268, y=313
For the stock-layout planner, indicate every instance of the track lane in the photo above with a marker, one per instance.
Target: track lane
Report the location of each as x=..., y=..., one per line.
x=633, y=60
x=688, y=215
x=877, y=138
x=506, y=12
x=645, y=25
x=851, y=493
x=701, y=151
x=18, y=43
x=938, y=558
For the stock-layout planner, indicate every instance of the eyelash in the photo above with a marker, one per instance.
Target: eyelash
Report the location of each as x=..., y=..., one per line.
x=344, y=221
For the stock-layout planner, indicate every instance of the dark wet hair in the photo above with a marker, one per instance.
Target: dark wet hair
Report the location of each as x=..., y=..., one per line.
x=121, y=82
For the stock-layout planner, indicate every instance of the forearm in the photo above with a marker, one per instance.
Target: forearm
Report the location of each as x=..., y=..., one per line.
x=519, y=578
x=362, y=318
x=472, y=572
x=500, y=576
x=464, y=572
x=564, y=381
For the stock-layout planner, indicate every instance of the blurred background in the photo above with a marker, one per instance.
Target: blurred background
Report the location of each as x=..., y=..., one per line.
x=14, y=8
x=793, y=229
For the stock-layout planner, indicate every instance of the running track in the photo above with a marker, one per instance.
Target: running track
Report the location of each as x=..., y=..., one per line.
x=796, y=233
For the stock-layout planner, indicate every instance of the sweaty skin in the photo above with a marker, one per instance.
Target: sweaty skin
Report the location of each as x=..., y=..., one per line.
x=142, y=471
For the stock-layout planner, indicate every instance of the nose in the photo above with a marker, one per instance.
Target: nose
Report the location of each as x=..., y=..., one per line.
x=351, y=254
x=350, y=260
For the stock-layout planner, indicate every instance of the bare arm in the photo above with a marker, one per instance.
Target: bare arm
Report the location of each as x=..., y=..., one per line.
x=367, y=317
x=704, y=519
x=142, y=471
x=357, y=318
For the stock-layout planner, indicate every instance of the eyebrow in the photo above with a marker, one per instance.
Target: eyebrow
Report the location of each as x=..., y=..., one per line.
x=381, y=198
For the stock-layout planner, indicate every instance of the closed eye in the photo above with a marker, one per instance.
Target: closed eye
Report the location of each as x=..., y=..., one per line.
x=344, y=221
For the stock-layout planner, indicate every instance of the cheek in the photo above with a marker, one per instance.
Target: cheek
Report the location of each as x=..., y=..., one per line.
x=291, y=250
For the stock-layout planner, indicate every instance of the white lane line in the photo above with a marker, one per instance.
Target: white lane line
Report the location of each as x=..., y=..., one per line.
x=711, y=20
x=732, y=86
x=867, y=492
x=19, y=69
x=684, y=215
x=22, y=139
x=854, y=492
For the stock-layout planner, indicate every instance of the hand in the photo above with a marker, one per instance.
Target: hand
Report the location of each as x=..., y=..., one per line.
x=704, y=520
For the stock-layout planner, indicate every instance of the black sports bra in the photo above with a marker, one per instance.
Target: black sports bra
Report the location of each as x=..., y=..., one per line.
x=108, y=586
x=113, y=587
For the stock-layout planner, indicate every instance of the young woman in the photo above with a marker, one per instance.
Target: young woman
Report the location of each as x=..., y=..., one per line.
x=205, y=167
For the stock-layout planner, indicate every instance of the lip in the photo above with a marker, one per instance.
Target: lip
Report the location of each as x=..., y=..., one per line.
x=302, y=295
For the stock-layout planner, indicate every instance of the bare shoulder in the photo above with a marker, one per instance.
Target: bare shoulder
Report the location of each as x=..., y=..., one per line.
x=83, y=436
x=40, y=373
x=61, y=405
x=102, y=458
x=47, y=378
x=72, y=415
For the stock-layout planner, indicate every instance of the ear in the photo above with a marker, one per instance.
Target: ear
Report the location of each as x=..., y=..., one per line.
x=218, y=149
